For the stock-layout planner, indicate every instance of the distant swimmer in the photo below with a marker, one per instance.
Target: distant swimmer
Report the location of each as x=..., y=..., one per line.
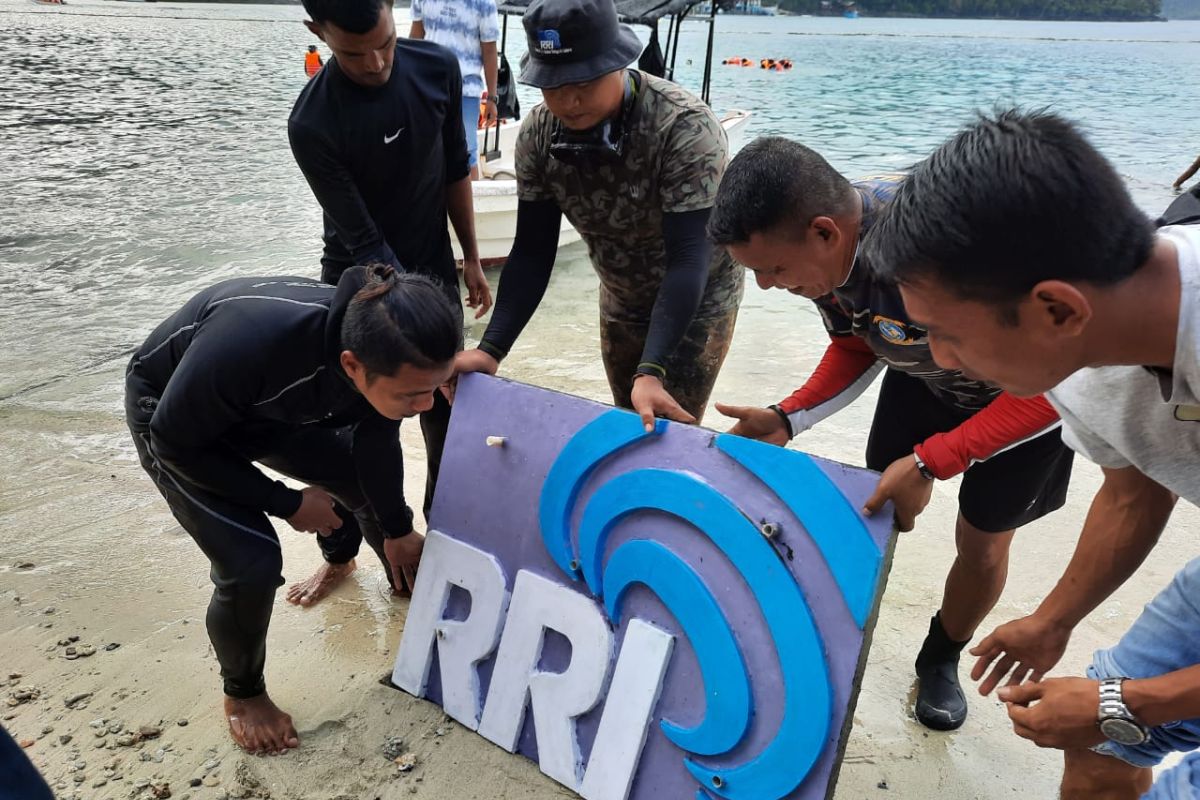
x=1187, y=174
x=312, y=61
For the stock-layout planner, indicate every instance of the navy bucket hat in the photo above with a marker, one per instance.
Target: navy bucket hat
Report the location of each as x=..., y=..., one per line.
x=574, y=41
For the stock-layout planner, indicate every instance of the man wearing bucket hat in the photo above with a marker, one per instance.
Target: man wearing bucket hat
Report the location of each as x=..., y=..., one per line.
x=633, y=161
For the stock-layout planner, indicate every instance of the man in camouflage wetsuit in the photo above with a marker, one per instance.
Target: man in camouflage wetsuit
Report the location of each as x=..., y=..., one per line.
x=633, y=162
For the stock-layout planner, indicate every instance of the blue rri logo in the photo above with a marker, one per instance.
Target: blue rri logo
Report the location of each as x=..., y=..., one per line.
x=847, y=546
x=549, y=41
x=673, y=614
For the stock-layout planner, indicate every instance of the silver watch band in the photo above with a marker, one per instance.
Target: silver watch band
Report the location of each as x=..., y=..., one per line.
x=1112, y=702
x=925, y=471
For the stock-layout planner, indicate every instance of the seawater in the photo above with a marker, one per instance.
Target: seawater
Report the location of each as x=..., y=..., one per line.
x=144, y=155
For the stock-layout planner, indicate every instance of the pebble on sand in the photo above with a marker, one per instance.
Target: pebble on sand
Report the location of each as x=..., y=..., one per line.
x=23, y=694
x=393, y=747
x=77, y=698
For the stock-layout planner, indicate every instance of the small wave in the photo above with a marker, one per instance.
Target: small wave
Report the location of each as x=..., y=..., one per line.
x=91, y=365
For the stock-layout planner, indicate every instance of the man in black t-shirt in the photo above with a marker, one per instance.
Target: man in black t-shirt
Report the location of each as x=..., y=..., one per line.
x=378, y=135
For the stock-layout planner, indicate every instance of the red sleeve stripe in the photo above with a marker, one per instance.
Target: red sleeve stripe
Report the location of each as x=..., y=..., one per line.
x=1006, y=422
x=846, y=370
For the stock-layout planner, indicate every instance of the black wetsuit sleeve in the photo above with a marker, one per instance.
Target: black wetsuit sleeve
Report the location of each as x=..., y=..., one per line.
x=379, y=462
x=525, y=276
x=205, y=398
x=689, y=258
x=454, y=136
x=335, y=190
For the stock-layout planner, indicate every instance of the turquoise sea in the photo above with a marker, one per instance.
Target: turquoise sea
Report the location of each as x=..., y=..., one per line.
x=144, y=146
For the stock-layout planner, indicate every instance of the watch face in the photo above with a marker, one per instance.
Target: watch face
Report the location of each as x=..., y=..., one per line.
x=1122, y=731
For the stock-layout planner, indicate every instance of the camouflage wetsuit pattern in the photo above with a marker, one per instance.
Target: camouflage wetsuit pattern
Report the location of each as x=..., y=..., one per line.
x=674, y=156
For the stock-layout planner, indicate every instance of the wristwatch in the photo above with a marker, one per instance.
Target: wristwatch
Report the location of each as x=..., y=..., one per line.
x=925, y=471
x=1116, y=721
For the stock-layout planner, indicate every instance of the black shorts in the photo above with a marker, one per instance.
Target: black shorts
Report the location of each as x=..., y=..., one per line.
x=1006, y=491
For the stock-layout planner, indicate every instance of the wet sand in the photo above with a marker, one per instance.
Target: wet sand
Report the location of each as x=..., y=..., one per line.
x=111, y=566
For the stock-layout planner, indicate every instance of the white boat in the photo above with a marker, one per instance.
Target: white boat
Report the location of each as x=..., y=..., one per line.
x=496, y=193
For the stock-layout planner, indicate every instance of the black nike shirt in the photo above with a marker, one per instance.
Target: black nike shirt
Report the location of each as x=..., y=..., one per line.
x=378, y=160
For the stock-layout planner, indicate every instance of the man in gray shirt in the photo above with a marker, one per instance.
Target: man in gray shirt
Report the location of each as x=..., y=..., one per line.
x=1018, y=248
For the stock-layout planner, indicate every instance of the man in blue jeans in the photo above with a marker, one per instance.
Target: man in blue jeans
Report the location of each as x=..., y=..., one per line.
x=469, y=29
x=1018, y=248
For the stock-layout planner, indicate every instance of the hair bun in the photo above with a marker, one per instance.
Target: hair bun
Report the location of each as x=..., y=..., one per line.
x=378, y=272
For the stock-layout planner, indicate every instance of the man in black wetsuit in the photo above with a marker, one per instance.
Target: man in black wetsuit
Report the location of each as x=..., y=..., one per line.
x=378, y=135
x=312, y=381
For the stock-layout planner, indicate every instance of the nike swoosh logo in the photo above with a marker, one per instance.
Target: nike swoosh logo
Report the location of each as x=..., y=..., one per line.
x=389, y=139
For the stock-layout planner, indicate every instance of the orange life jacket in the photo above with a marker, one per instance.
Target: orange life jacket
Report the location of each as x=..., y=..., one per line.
x=312, y=64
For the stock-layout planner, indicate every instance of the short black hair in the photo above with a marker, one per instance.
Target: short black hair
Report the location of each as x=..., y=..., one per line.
x=775, y=181
x=400, y=318
x=1015, y=198
x=352, y=16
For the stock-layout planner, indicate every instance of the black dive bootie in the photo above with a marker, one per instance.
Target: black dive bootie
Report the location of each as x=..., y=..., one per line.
x=941, y=704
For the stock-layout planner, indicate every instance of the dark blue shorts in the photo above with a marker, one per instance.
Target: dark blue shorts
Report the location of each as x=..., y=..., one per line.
x=1010, y=489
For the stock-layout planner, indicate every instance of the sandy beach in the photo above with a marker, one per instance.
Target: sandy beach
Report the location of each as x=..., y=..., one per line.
x=90, y=551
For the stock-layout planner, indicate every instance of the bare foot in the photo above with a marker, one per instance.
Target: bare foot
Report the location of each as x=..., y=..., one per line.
x=323, y=581
x=259, y=726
